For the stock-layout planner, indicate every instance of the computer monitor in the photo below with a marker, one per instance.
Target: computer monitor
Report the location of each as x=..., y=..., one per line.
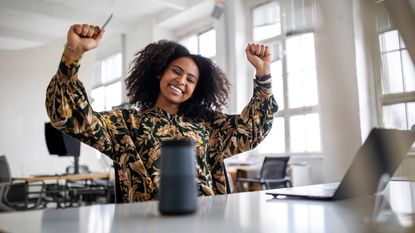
x=62, y=144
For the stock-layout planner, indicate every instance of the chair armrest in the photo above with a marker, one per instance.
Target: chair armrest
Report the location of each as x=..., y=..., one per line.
x=248, y=180
x=276, y=180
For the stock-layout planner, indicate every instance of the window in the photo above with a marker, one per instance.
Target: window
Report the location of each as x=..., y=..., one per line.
x=106, y=92
x=266, y=21
x=203, y=43
x=396, y=86
x=286, y=26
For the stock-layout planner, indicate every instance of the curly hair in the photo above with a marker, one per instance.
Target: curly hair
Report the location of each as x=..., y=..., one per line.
x=143, y=81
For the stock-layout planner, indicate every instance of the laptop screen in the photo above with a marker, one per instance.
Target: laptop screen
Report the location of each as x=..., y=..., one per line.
x=382, y=152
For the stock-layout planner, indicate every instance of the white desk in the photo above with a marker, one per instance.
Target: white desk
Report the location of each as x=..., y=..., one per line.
x=241, y=212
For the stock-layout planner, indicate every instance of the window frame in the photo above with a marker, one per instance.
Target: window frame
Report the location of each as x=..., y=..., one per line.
x=287, y=112
x=388, y=99
x=197, y=31
x=109, y=83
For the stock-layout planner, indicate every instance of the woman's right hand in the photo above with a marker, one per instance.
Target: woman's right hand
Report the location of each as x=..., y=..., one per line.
x=81, y=38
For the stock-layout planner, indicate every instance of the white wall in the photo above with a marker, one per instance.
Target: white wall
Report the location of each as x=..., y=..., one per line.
x=367, y=61
x=238, y=66
x=337, y=83
x=25, y=75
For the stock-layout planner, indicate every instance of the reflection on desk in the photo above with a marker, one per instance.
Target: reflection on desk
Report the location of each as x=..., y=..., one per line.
x=241, y=212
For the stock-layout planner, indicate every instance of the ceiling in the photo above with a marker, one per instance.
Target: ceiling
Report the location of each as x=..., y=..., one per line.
x=30, y=23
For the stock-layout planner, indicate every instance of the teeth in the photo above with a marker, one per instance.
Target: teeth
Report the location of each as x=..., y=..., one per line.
x=176, y=89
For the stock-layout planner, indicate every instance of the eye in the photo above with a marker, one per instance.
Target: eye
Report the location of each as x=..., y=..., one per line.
x=176, y=71
x=191, y=80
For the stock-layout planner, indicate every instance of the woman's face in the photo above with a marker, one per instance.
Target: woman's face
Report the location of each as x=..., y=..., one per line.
x=178, y=82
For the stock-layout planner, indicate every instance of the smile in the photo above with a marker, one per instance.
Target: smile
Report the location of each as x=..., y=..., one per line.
x=176, y=90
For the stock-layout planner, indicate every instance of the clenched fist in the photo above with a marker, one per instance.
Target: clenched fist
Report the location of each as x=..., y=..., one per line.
x=81, y=38
x=259, y=56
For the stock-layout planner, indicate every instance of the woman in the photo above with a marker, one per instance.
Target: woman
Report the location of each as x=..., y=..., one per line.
x=177, y=94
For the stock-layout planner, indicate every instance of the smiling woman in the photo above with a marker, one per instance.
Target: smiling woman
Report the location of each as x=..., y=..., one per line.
x=177, y=84
x=176, y=94
x=165, y=74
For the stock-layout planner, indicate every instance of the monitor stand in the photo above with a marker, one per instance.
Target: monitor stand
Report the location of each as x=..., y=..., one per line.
x=76, y=165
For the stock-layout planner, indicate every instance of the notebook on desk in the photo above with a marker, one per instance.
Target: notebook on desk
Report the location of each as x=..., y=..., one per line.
x=382, y=152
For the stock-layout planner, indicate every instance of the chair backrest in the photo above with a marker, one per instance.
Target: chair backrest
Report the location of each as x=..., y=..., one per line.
x=5, y=176
x=274, y=167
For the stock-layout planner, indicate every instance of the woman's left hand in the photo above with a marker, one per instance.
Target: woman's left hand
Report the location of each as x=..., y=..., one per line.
x=259, y=56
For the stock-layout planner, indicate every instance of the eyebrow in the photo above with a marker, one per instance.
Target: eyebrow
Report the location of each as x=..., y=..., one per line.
x=190, y=74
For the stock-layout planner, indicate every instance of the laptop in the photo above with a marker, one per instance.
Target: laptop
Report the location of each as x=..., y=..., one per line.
x=382, y=152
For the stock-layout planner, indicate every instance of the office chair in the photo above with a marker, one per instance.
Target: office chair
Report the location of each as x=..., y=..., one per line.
x=272, y=174
x=16, y=196
x=5, y=181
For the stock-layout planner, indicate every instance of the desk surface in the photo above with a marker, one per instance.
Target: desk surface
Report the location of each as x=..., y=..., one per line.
x=241, y=212
x=85, y=176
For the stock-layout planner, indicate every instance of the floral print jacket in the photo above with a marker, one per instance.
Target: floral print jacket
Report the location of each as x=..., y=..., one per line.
x=131, y=138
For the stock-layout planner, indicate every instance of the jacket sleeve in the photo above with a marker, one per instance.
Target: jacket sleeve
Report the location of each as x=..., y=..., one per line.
x=234, y=134
x=69, y=110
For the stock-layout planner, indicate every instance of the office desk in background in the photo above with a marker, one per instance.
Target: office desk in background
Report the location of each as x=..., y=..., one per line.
x=68, y=189
x=240, y=212
x=73, y=177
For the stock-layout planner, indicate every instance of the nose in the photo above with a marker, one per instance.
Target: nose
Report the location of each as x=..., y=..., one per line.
x=181, y=80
